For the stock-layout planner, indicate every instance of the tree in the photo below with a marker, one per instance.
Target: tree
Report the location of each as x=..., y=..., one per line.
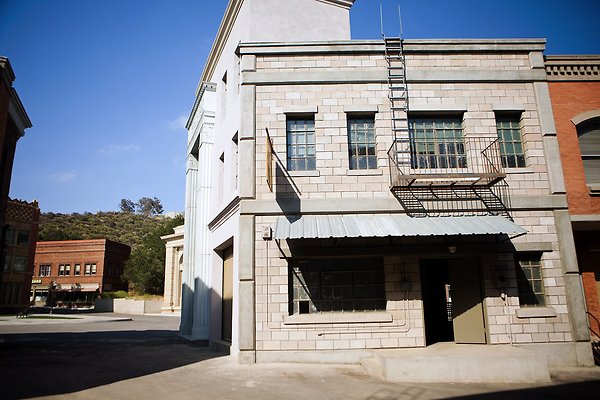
x=147, y=206
x=127, y=206
x=145, y=269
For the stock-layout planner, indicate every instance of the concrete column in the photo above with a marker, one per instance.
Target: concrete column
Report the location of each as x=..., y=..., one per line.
x=202, y=272
x=550, y=142
x=573, y=288
x=187, y=293
x=246, y=290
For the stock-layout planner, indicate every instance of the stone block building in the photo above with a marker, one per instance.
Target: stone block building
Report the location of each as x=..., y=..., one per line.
x=173, y=270
x=73, y=273
x=347, y=196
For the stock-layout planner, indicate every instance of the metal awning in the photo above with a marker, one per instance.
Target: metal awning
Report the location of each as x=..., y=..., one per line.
x=352, y=226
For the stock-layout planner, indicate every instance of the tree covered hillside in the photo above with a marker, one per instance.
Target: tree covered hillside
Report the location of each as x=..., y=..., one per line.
x=123, y=227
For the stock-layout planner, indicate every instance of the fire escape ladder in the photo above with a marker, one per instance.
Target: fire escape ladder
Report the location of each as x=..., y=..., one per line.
x=397, y=89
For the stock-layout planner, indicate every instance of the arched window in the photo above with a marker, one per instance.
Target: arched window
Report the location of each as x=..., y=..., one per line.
x=588, y=133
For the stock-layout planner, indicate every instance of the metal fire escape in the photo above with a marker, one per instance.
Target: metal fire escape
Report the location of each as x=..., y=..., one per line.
x=469, y=180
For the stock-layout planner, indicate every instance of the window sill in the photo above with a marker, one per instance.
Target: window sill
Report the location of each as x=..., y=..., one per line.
x=364, y=172
x=304, y=173
x=519, y=170
x=338, y=318
x=535, y=312
x=594, y=189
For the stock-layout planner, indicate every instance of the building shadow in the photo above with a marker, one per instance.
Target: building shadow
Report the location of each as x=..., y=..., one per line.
x=44, y=364
x=287, y=194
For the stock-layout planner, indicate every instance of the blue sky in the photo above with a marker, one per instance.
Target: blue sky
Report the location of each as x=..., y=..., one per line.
x=108, y=84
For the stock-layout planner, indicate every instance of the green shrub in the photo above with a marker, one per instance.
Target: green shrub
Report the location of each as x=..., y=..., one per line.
x=119, y=294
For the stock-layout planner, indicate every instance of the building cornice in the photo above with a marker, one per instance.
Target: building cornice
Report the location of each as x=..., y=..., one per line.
x=573, y=67
x=340, y=3
x=410, y=46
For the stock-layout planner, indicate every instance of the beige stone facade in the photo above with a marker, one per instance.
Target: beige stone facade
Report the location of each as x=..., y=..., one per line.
x=331, y=83
x=173, y=270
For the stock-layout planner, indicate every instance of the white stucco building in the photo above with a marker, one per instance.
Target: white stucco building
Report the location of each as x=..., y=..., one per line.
x=348, y=196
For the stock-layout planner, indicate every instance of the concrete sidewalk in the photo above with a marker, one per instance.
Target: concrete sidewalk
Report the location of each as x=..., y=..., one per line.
x=144, y=358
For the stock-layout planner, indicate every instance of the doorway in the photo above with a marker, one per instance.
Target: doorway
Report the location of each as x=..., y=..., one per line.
x=452, y=301
x=227, y=297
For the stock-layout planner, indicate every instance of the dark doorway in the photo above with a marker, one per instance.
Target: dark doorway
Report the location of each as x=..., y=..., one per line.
x=435, y=284
x=227, y=310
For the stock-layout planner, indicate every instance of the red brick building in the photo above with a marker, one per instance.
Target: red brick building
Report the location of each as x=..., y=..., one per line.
x=22, y=221
x=574, y=83
x=13, y=122
x=72, y=273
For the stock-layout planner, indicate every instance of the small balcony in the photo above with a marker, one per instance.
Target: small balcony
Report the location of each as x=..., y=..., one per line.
x=454, y=174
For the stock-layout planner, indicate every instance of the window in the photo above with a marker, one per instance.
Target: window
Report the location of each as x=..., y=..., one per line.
x=224, y=94
x=588, y=134
x=337, y=285
x=88, y=269
x=61, y=270
x=77, y=270
x=510, y=140
x=10, y=235
x=529, y=280
x=235, y=160
x=45, y=270
x=20, y=263
x=301, y=144
x=361, y=143
x=67, y=269
x=437, y=142
x=93, y=269
x=7, y=262
x=23, y=237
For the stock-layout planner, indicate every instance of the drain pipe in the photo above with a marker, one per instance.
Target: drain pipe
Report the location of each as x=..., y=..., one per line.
x=504, y=298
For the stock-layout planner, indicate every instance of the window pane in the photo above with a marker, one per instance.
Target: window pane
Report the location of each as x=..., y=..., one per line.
x=361, y=142
x=510, y=141
x=301, y=144
x=441, y=138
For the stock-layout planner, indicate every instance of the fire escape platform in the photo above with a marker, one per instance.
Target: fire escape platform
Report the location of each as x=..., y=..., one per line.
x=447, y=179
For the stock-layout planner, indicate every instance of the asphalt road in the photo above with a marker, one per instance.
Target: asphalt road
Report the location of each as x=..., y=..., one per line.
x=143, y=358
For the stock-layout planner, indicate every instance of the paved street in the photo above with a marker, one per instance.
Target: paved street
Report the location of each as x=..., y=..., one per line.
x=108, y=356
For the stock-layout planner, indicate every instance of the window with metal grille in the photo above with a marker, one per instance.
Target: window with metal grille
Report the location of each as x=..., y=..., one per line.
x=510, y=140
x=361, y=143
x=327, y=285
x=530, y=280
x=437, y=142
x=301, y=144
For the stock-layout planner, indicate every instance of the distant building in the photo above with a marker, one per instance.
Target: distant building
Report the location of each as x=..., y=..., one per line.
x=574, y=83
x=73, y=273
x=22, y=224
x=173, y=270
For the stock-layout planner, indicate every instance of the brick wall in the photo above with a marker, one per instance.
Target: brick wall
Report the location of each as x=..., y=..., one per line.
x=570, y=99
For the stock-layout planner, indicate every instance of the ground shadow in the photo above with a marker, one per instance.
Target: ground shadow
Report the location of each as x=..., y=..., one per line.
x=43, y=364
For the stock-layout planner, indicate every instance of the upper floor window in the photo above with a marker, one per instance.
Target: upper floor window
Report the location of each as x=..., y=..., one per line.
x=301, y=154
x=510, y=140
x=362, y=150
x=437, y=142
x=45, y=270
x=588, y=134
x=530, y=280
x=77, y=269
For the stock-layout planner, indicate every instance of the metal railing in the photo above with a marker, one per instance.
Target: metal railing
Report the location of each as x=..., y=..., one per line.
x=427, y=160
